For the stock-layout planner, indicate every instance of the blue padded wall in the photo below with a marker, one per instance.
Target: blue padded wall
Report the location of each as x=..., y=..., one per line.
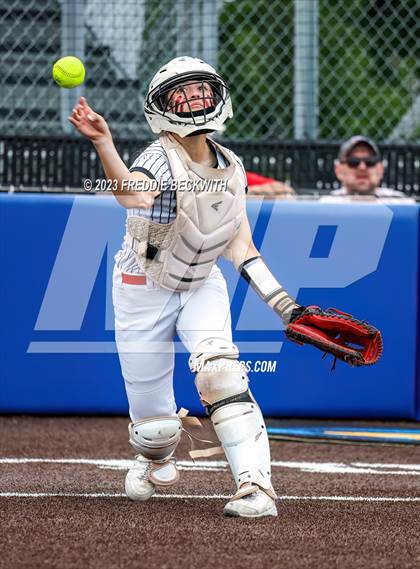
x=57, y=346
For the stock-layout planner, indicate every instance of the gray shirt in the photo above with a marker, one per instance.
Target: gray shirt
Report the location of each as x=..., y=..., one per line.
x=378, y=193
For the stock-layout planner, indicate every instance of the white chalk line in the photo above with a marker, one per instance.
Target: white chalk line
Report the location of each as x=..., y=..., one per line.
x=218, y=465
x=206, y=497
x=117, y=464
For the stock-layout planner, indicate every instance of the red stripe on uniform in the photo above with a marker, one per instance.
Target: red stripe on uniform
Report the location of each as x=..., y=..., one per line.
x=133, y=279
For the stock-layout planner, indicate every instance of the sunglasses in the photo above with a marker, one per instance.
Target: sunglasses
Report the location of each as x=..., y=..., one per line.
x=369, y=162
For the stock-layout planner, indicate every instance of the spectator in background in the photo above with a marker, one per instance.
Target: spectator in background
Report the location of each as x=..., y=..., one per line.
x=260, y=185
x=360, y=170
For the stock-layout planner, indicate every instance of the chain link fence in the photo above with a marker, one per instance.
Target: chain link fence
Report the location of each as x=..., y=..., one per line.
x=298, y=69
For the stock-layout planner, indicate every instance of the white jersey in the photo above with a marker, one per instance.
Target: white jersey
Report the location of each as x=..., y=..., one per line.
x=154, y=163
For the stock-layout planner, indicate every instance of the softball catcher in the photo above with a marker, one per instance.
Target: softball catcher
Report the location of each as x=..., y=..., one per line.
x=166, y=281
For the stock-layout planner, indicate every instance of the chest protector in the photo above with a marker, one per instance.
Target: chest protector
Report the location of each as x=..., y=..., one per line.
x=180, y=255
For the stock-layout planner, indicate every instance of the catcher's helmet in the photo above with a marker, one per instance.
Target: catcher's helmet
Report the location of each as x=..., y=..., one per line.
x=162, y=112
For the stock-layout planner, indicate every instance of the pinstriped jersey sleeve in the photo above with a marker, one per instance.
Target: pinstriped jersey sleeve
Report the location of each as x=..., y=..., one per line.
x=154, y=163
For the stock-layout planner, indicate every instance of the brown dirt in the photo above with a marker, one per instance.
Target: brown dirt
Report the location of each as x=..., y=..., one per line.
x=171, y=532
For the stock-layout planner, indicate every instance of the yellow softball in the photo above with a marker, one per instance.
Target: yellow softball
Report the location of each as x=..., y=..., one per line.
x=68, y=72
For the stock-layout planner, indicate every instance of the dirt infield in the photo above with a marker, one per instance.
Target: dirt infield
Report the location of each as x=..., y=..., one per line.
x=62, y=505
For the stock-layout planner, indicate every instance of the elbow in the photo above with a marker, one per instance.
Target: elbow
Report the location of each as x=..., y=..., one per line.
x=253, y=251
x=141, y=200
x=240, y=255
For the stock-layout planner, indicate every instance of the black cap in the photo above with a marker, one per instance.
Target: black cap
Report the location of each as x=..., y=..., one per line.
x=349, y=144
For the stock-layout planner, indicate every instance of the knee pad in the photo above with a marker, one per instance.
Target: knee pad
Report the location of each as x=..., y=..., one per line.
x=213, y=348
x=219, y=375
x=155, y=438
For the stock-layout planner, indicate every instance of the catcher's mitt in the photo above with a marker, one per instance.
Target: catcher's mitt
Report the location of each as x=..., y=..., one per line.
x=334, y=332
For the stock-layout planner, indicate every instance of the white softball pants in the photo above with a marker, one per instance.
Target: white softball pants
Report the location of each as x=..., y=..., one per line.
x=147, y=317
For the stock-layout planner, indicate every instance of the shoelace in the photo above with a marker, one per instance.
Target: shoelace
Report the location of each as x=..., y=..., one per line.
x=145, y=468
x=251, y=497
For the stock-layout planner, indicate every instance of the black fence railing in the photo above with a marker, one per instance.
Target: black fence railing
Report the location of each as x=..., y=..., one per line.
x=54, y=164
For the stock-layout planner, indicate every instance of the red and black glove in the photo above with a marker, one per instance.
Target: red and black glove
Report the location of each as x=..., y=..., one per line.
x=354, y=341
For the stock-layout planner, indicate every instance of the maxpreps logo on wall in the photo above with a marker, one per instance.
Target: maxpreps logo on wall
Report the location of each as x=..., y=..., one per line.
x=305, y=245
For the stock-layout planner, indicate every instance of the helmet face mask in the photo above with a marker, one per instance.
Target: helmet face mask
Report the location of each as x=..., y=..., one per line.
x=171, y=107
x=209, y=97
